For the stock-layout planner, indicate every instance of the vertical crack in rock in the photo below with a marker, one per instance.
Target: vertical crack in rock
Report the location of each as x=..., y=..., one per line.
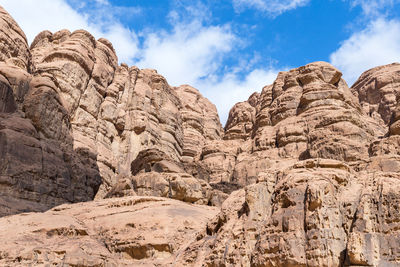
x=304, y=173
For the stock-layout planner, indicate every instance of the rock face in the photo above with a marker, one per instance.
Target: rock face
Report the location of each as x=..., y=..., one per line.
x=200, y=122
x=319, y=172
x=305, y=173
x=378, y=91
x=130, y=231
x=39, y=168
x=72, y=121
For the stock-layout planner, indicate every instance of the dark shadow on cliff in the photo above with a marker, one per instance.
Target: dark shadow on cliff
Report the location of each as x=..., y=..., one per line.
x=39, y=168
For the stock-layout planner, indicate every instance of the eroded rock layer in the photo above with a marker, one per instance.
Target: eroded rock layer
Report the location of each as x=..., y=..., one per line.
x=130, y=231
x=305, y=173
x=318, y=170
x=72, y=121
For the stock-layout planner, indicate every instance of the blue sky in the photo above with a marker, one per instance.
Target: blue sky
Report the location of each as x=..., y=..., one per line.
x=229, y=48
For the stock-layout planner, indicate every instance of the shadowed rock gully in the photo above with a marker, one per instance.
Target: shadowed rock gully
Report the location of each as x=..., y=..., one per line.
x=305, y=173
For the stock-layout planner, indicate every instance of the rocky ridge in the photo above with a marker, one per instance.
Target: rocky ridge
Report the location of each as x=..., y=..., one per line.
x=305, y=173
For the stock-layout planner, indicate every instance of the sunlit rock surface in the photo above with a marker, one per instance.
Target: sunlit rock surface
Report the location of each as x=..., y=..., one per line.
x=304, y=173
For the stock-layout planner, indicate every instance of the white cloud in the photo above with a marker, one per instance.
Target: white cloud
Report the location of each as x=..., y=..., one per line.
x=191, y=53
x=34, y=17
x=373, y=7
x=272, y=7
x=188, y=53
x=377, y=44
x=231, y=88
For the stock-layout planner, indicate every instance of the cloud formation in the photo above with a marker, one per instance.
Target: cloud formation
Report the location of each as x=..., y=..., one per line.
x=191, y=52
x=194, y=52
x=373, y=7
x=232, y=88
x=272, y=7
x=55, y=15
x=377, y=44
x=188, y=53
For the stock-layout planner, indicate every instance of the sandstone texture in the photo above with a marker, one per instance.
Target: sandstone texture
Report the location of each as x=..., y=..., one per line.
x=108, y=165
x=130, y=231
x=318, y=171
x=72, y=121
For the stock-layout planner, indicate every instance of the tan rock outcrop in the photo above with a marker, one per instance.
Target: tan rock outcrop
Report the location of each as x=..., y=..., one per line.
x=14, y=47
x=241, y=119
x=313, y=114
x=200, y=122
x=305, y=173
x=113, y=111
x=130, y=231
x=308, y=112
x=318, y=211
x=302, y=220
x=83, y=120
x=374, y=238
x=36, y=172
x=378, y=91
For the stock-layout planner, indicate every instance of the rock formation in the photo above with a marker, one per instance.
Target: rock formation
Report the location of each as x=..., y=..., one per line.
x=72, y=121
x=128, y=231
x=305, y=173
x=320, y=174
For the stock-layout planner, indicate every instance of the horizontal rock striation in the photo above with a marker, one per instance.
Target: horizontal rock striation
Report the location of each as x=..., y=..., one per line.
x=319, y=173
x=72, y=121
x=304, y=173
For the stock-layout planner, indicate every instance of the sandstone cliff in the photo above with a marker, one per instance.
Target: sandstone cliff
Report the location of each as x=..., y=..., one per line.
x=305, y=173
x=72, y=121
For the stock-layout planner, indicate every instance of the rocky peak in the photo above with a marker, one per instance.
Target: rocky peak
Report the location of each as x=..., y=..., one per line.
x=86, y=117
x=378, y=91
x=241, y=119
x=200, y=121
x=14, y=45
x=305, y=173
